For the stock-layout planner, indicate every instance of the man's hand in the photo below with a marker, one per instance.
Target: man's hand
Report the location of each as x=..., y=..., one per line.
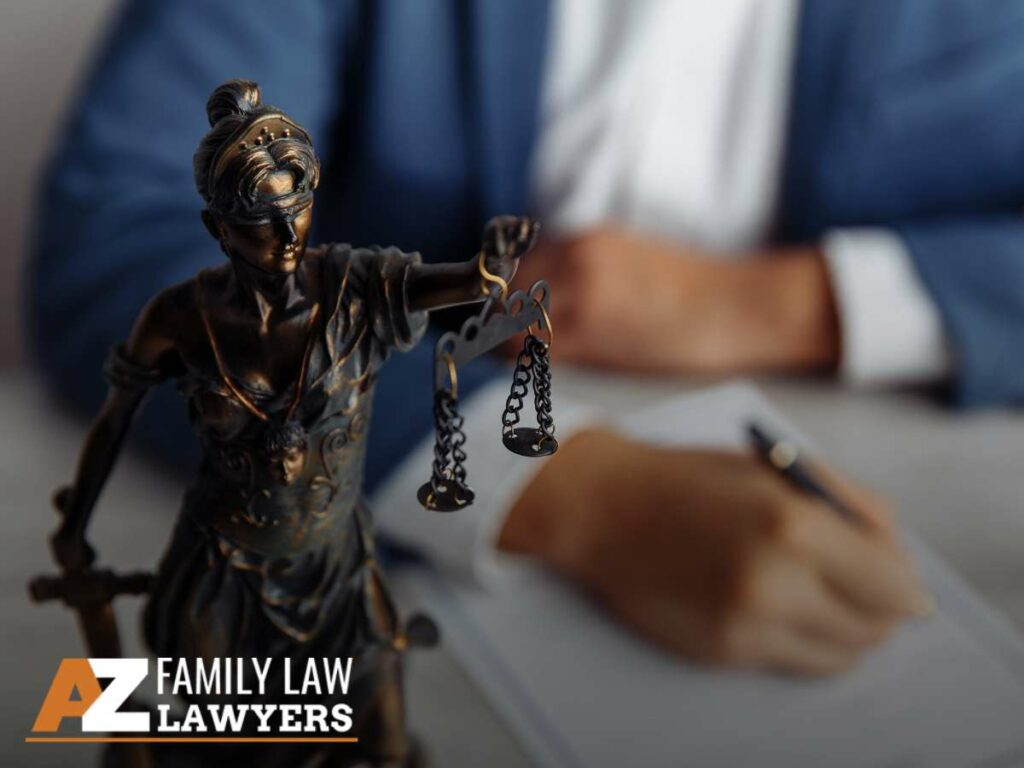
x=715, y=557
x=625, y=302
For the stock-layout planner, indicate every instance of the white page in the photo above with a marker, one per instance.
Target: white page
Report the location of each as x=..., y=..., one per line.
x=580, y=691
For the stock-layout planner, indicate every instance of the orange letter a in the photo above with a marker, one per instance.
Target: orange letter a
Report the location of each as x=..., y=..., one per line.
x=71, y=674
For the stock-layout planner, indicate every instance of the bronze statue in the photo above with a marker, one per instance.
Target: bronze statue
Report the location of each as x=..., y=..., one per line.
x=276, y=352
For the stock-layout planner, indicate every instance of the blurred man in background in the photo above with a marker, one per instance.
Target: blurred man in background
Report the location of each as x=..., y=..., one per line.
x=726, y=187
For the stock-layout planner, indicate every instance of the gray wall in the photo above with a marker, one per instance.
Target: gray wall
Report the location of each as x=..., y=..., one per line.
x=44, y=48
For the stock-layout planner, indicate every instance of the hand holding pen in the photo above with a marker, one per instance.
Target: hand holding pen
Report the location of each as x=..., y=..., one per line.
x=714, y=556
x=784, y=458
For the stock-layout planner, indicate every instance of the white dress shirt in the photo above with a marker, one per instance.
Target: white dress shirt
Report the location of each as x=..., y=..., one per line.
x=668, y=118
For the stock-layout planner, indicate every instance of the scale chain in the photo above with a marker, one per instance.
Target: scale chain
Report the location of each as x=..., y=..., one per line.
x=520, y=388
x=541, y=364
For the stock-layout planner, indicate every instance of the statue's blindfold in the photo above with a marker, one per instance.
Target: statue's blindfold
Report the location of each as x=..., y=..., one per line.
x=283, y=208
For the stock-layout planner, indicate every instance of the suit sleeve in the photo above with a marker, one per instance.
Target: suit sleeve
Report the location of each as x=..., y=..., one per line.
x=118, y=215
x=974, y=269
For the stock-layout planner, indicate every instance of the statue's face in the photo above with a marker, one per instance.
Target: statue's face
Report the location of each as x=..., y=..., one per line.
x=289, y=463
x=278, y=244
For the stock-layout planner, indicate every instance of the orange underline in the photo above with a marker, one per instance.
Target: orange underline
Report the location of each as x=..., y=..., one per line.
x=191, y=739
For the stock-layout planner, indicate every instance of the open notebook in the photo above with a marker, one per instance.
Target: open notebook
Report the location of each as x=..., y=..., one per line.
x=582, y=693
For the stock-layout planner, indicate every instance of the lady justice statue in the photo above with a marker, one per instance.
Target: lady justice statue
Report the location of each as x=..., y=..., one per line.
x=276, y=352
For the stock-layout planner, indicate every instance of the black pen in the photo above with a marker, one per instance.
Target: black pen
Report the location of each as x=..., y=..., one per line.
x=784, y=458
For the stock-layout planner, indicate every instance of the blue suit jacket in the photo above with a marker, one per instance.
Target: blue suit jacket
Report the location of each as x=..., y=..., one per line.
x=906, y=113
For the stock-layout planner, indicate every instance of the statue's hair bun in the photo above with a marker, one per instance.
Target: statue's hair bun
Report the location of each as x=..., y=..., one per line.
x=235, y=97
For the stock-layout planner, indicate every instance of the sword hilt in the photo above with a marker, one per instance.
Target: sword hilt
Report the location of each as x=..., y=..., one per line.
x=90, y=587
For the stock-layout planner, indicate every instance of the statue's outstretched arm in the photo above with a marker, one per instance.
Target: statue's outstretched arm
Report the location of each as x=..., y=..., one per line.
x=435, y=286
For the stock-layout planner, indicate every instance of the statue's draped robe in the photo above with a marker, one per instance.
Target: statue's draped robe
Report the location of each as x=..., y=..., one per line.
x=260, y=568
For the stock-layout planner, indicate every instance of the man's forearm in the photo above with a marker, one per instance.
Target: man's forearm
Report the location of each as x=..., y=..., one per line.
x=779, y=312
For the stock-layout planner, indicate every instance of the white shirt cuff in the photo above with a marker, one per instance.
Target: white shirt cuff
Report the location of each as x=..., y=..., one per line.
x=465, y=541
x=891, y=329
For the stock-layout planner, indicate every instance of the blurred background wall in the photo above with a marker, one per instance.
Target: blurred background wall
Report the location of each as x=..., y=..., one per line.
x=45, y=46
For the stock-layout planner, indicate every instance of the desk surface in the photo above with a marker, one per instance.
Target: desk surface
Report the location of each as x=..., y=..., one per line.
x=956, y=480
